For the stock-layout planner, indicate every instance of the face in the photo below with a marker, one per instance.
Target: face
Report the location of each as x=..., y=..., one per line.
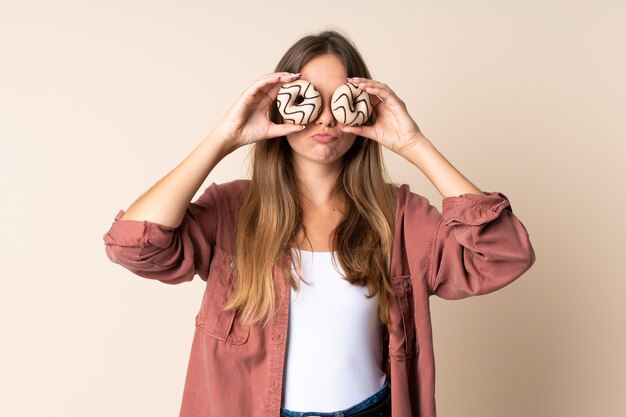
x=310, y=146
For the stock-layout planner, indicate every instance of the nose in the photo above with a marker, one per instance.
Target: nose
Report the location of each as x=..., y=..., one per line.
x=326, y=117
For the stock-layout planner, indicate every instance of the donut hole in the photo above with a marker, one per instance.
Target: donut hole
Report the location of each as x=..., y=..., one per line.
x=299, y=100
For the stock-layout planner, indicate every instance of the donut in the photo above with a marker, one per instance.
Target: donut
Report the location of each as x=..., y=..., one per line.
x=299, y=102
x=350, y=105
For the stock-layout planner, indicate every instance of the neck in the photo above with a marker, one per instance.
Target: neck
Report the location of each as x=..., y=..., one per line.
x=317, y=183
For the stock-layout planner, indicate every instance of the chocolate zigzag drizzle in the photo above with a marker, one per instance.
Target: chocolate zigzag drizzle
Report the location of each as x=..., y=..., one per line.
x=351, y=109
x=297, y=111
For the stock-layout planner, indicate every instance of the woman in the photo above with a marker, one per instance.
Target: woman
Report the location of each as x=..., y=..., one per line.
x=354, y=338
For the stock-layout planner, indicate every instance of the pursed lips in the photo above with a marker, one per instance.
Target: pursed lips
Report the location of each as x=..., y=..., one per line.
x=320, y=137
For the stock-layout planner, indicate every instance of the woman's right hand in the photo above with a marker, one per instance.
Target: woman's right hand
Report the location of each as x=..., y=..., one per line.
x=248, y=120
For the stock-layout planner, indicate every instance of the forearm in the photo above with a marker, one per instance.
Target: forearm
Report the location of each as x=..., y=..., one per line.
x=444, y=176
x=167, y=200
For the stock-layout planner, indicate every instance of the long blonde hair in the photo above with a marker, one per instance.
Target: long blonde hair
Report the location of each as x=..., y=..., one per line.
x=271, y=215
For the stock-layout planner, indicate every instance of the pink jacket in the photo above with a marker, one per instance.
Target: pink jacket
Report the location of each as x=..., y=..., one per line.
x=475, y=246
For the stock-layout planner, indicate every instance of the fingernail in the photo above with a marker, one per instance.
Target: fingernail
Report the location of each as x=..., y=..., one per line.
x=295, y=74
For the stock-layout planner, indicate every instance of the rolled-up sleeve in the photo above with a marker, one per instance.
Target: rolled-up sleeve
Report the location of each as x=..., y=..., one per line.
x=170, y=255
x=478, y=246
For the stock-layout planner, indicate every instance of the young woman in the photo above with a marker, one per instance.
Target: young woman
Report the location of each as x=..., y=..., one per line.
x=318, y=269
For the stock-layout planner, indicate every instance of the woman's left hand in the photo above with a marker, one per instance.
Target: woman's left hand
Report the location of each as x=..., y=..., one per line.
x=394, y=127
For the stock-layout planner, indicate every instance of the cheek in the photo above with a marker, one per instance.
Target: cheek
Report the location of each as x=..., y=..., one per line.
x=349, y=139
x=294, y=138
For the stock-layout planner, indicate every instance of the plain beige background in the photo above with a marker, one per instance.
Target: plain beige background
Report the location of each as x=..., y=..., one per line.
x=99, y=100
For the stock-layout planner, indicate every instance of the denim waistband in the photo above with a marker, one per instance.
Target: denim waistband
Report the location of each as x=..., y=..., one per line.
x=382, y=393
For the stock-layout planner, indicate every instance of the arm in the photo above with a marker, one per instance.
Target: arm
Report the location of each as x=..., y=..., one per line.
x=476, y=244
x=162, y=235
x=396, y=130
x=166, y=201
x=479, y=246
x=246, y=122
x=444, y=176
x=170, y=255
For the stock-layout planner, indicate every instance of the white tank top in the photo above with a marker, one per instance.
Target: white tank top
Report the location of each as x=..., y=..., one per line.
x=334, y=344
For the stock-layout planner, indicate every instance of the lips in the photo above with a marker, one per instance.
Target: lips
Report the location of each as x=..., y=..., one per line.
x=324, y=138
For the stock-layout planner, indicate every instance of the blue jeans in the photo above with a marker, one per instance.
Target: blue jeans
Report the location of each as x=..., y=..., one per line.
x=341, y=413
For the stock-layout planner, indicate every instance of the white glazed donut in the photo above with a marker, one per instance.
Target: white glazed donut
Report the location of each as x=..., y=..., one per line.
x=350, y=105
x=299, y=102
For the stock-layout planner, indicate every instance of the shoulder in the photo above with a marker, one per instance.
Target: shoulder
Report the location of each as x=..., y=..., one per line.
x=405, y=197
x=412, y=207
x=230, y=193
x=235, y=187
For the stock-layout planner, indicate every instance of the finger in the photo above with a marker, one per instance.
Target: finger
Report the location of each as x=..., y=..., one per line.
x=272, y=93
x=258, y=91
x=375, y=100
x=266, y=82
x=277, y=130
x=381, y=91
x=365, y=131
x=377, y=90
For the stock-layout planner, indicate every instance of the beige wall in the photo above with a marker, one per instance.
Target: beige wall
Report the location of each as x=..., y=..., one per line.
x=98, y=101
